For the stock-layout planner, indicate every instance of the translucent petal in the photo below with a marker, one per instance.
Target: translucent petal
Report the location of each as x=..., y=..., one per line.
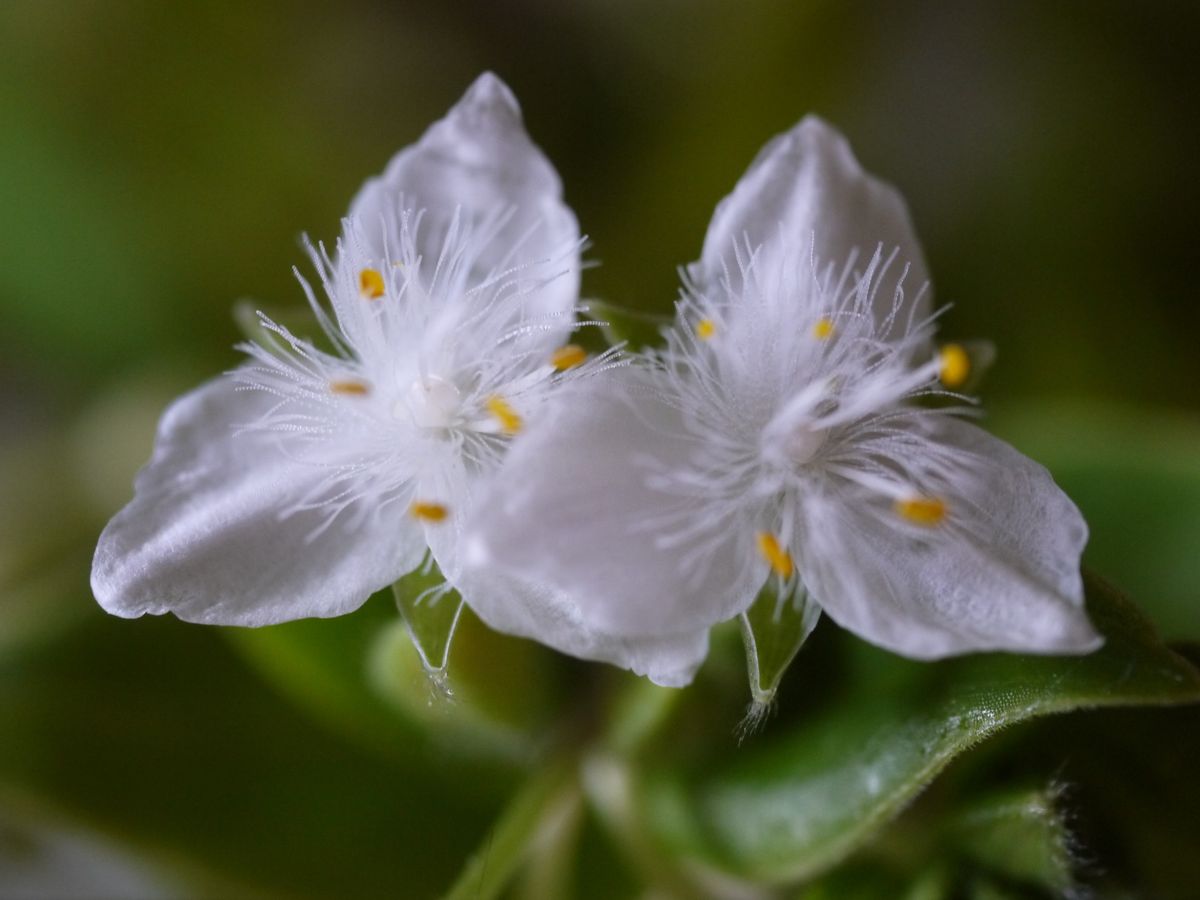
x=806, y=186
x=1001, y=573
x=205, y=536
x=480, y=159
x=577, y=507
x=520, y=607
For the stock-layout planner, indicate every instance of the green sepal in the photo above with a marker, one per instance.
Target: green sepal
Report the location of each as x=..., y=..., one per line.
x=773, y=630
x=468, y=686
x=431, y=610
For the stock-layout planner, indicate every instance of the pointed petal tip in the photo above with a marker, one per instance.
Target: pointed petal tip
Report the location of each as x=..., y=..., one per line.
x=811, y=136
x=807, y=184
x=815, y=129
x=488, y=95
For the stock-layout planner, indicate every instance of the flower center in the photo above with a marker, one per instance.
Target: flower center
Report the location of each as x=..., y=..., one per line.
x=432, y=402
x=804, y=444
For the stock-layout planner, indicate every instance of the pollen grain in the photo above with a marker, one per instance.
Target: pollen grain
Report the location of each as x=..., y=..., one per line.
x=779, y=559
x=428, y=512
x=823, y=329
x=924, y=511
x=350, y=387
x=502, y=411
x=370, y=284
x=568, y=357
x=706, y=329
x=955, y=366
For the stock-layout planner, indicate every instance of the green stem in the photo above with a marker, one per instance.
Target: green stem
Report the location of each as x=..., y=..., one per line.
x=609, y=783
x=539, y=804
x=552, y=851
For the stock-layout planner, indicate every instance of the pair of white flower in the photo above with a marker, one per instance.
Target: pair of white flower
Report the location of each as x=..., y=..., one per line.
x=612, y=511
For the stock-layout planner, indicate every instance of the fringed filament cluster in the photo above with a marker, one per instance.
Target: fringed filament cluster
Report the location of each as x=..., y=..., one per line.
x=437, y=363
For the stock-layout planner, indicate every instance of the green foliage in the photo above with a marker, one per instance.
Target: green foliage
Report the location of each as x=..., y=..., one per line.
x=1017, y=833
x=154, y=733
x=806, y=799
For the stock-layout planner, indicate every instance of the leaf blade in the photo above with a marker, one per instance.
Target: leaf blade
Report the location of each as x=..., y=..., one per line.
x=807, y=801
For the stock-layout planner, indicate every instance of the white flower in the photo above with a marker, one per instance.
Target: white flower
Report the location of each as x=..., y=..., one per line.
x=304, y=481
x=797, y=426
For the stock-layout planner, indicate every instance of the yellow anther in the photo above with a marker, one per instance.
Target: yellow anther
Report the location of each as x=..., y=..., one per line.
x=705, y=329
x=370, y=284
x=823, y=329
x=508, y=418
x=428, y=512
x=568, y=357
x=956, y=366
x=780, y=559
x=350, y=387
x=926, y=511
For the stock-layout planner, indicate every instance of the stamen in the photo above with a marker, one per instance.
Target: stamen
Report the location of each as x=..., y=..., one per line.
x=508, y=418
x=823, y=329
x=780, y=559
x=705, y=329
x=428, y=512
x=370, y=284
x=350, y=387
x=568, y=357
x=956, y=365
x=925, y=511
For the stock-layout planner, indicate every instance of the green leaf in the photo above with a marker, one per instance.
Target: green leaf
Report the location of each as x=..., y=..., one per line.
x=635, y=328
x=1132, y=791
x=773, y=630
x=806, y=800
x=322, y=664
x=154, y=733
x=1018, y=834
x=361, y=675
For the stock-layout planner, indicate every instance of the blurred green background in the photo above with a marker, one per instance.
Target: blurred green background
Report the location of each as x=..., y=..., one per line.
x=159, y=160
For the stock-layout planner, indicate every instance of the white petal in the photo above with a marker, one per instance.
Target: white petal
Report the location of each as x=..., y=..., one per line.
x=508, y=602
x=480, y=159
x=204, y=539
x=1002, y=573
x=453, y=487
x=806, y=186
x=574, y=508
x=553, y=618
